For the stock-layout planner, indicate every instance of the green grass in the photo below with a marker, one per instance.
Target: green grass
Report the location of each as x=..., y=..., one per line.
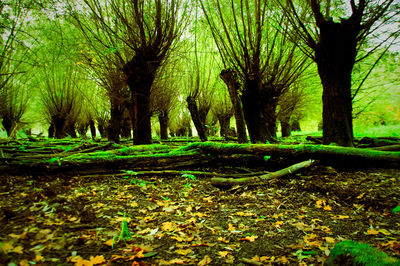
x=378, y=131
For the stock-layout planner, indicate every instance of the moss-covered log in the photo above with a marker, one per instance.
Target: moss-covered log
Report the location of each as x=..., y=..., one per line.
x=319, y=152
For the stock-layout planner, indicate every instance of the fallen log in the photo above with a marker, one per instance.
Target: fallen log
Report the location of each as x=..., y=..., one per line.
x=318, y=152
x=255, y=180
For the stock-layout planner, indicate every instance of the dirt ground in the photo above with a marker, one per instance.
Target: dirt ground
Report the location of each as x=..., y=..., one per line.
x=182, y=219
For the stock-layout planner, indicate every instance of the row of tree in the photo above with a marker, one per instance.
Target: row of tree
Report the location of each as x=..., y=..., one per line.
x=118, y=63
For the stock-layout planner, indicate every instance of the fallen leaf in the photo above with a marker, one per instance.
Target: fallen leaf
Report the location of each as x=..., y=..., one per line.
x=167, y=226
x=278, y=224
x=97, y=260
x=183, y=252
x=249, y=238
x=327, y=208
x=361, y=195
x=372, y=231
x=385, y=232
x=223, y=254
x=109, y=242
x=329, y=240
x=24, y=262
x=231, y=227
x=205, y=261
x=18, y=249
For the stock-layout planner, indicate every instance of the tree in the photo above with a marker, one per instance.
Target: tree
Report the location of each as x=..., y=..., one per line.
x=334, y=41
x=14, y=99
x=14, y=54
x=264, y=58
x=164, y=94
x=290, y=108
x=223, y=111
x=145, y=32
x=60, y=99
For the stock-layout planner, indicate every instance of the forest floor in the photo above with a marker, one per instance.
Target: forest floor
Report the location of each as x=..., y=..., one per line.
x=126, y=219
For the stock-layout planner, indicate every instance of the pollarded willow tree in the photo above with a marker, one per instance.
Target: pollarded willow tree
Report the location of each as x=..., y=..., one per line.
x=14, y=54
x=265, y=59
x=333, y=37
x=60, y=98
x=147, y=31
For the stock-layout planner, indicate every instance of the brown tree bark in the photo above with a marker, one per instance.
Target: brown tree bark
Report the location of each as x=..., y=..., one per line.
x=194, y=112
x=140, y=73
x=259, y=106
x=163, y=119
x=114, y=126
x=9, y=126
x=285, y=128
x=335, y=57
x=92, y=128
x=231, y=80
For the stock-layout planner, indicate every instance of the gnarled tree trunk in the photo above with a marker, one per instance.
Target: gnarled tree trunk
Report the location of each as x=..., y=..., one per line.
x=335, y=57
x=194, y=112
x=231, y=80
x=259, y=106
x=163, y=119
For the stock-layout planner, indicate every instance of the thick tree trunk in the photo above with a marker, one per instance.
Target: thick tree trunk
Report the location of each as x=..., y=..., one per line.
x=9, y=126
x=126, y=125
x=71, y=131
x=194, y=112
x=285, y=128
x=231, y=80
x=163, y=119
x=50, y=131
x=295, y=125
x=335, y=57
x=259, y=106
x=140, y=73
x=114, y=126
x=92, y=128
x=59, y=127
x=224, y=123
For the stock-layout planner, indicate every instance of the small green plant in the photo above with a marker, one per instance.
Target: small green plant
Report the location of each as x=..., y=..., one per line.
x=189, y=178
x=123, y=235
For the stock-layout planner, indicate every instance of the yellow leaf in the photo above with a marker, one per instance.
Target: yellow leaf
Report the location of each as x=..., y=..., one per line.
x=134, y=204
x=183, y=252
x=278, y=224
x=372, y=231
x=6, y=247
x=38, y=258
x=319, y=203
x=109, y=242
x=18, y=249
x=222, y=239
x=327, y=208
x=223, y=254
x=167, y=226
x=97, y=260
x=385, y=232
x=361, y=195
x=24, y=262
x=283, y=260
x=249, y=238
x=205, y=261
x=329, y=239
x=231, y=227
